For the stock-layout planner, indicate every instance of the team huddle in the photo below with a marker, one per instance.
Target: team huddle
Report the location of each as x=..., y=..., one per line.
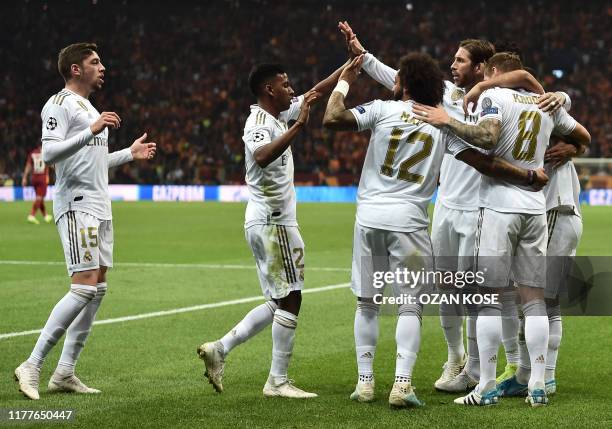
x=500, y=210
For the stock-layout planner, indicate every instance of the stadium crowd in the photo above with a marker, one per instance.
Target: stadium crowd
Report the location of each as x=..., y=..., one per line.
x=179, y=71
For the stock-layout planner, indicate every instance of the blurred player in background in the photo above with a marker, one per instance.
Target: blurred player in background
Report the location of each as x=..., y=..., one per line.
x=271, y=226
x=397, y=183
x=40, y=181
x=75, y=139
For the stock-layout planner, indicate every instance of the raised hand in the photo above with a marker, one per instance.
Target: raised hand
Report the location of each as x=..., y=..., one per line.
x=351, y=71
x=309, y=98
x=143, y=150
x=312, y=96
x=353, y=45
x=106, y=119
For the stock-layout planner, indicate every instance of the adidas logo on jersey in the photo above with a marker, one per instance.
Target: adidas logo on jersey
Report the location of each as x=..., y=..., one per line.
x=540, y=359
x=367, y=355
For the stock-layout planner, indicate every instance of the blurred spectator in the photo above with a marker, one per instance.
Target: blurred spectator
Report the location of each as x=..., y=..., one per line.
x=178, y=70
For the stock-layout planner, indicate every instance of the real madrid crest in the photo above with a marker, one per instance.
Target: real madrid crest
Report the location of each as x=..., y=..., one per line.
x=457, y=94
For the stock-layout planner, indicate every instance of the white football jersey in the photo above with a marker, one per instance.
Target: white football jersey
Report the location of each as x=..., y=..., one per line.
x=459, y=182
x=563, y=189
x=401, y=167
x=81, y=179
x=525, y=131
x=271, y=191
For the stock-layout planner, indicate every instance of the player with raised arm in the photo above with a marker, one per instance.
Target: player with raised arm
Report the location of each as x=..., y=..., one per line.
x=271, y=226
x=40, y=181
x=397, y=182
x=512, y=236
x=455, y=215
x=75, y=139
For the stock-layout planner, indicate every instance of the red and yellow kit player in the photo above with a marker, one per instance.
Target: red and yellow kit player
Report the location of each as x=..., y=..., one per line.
x=40, y=180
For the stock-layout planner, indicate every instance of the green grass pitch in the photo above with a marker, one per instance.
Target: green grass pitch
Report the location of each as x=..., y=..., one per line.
x=148, y=369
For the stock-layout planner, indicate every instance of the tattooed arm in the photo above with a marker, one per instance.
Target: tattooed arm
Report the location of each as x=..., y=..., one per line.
x=484, y=135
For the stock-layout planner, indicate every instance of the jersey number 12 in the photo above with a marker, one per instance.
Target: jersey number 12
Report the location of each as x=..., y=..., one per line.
x=403, y=173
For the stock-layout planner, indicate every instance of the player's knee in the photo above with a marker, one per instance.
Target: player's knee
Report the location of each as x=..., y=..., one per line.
x=102, y=274
x=528, y=294
x=471, y=309
x=553, y=312
x=490, y=308
x=89, y=277
x=410, y=310
x=508, y=300
x=535, y=307
x=368, y=308
x=272, y=306
x=291, y=302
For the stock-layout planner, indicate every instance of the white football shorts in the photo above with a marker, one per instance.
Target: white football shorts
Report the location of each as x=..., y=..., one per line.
x=564, y=232
x=279, y=254
x=453, y=233
x=378, y=251
x=87, y=241
x=511, y=246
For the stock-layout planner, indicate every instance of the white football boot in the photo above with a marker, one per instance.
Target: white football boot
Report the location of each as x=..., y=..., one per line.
x=70, y=384
x=28, y=377
x=285, y=389
x=364, y=392
x=214, y=361
x=402, y=396
x=451, y=371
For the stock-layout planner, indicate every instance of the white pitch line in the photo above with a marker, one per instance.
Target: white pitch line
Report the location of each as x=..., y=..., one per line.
x=166, y=265
x=177, y=310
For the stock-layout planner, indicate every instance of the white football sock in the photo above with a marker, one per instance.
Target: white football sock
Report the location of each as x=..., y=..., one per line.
x=555, y=332
x=408, y=338
x=255, y=320
x=451, y=319
x=62, y=315
x=510, y=325
x=488, y=331
x=536, y=337
x=77, y=333
x=523, y=371
x=283, y=337
x=472, y=367
x=366, y=337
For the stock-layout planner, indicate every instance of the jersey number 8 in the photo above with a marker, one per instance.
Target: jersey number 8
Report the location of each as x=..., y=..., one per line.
x=527, y=153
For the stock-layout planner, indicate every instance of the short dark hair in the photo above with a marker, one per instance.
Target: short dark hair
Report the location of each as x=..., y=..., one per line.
x=480, y=50
x=504, y=62
x=261, y=74
x=508, y=46
x=422, y=77
x=73, y=54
